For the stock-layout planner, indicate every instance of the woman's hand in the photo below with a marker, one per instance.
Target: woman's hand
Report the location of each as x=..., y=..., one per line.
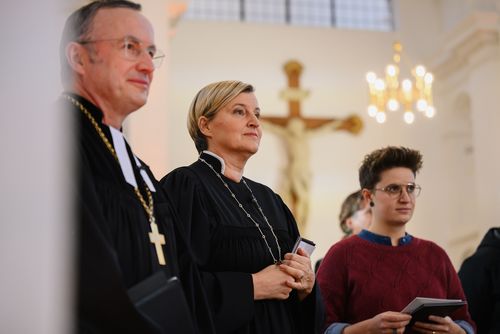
x=299, y=267
x=271, y=283
x=440, y=325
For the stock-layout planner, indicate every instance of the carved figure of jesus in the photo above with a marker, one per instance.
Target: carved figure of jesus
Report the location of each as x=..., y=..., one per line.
x=296, y=130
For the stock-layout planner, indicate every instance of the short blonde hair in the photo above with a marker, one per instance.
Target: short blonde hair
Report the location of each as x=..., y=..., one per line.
x=209, y=100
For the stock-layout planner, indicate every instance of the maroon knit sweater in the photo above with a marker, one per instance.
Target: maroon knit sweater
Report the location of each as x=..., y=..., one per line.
x=360, y=279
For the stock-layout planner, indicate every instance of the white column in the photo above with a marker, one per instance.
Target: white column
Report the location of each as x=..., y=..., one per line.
x=35, y=238
x=468, y=67
x=484, y=86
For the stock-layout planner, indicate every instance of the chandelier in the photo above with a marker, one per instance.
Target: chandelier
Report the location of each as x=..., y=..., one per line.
x=391, y=95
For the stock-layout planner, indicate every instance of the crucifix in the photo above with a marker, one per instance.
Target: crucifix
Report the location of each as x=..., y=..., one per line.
x=295, y=129
x=158, y=239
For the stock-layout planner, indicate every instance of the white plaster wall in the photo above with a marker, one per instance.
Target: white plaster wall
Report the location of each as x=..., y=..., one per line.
x=471, y=81
x=486, y=122
x=453, y=11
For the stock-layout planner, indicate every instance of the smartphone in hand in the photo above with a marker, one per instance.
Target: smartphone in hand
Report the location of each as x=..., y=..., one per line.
x=307, y=245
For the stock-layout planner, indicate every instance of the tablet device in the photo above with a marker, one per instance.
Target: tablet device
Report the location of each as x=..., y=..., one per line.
x=421, y=308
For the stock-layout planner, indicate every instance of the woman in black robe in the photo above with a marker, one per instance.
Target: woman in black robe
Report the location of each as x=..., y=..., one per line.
x=240, y=231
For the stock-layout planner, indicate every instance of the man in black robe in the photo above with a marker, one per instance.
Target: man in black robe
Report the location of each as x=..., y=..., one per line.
x=480, y=277
x=126, y=229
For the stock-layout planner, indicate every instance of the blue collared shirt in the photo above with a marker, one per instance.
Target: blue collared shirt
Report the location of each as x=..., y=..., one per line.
x=382, y=239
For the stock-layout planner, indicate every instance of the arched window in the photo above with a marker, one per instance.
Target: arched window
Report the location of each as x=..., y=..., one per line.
x=345, y=14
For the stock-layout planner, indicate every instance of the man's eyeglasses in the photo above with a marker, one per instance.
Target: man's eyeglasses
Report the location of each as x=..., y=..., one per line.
x=132, y=49
x=396, y=190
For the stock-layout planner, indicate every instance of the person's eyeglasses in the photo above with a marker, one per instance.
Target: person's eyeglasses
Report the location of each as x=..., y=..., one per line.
x=396, y=190
x=132, y=49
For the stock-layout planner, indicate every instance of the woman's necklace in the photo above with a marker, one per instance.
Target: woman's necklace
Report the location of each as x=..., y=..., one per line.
x=276, y=261
x=155, y=237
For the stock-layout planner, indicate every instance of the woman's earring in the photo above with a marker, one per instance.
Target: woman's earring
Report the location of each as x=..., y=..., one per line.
x=372, y=204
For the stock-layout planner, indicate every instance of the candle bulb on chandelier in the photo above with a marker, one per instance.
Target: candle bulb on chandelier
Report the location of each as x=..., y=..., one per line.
x=388, y=94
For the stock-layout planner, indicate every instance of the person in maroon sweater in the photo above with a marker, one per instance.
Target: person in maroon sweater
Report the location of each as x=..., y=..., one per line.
x=367, y=279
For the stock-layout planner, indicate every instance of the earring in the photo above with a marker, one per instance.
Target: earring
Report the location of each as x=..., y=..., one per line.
x=372, y=204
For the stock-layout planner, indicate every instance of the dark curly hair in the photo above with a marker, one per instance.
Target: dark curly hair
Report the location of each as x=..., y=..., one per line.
x=386, y=158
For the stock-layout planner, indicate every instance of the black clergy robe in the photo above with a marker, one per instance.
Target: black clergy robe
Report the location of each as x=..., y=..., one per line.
x=228, y=248
x=113, y=247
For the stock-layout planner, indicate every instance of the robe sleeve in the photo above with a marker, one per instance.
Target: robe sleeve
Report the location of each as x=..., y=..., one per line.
x=311, y=312
x=224, y=292
x=103, y=304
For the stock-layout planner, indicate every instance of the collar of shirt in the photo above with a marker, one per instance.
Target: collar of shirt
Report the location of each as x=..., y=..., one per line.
x=382, y=239
x=222, y=164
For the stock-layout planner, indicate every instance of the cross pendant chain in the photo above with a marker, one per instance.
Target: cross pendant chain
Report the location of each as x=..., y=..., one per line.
x=155, y=237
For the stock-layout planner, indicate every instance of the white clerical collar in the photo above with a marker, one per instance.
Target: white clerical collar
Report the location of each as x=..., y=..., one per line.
x=222, y=163
x=124, y=160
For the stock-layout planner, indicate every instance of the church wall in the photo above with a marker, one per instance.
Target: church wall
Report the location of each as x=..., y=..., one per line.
x=486, y=123
x=468, y=69
x=454, y=12
x=145, y=127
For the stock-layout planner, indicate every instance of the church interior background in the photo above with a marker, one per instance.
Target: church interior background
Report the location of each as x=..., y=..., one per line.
x=458, y=40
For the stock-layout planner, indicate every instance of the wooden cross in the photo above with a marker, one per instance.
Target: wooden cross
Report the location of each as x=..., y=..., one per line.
x=295, y=129
x=158, y=240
